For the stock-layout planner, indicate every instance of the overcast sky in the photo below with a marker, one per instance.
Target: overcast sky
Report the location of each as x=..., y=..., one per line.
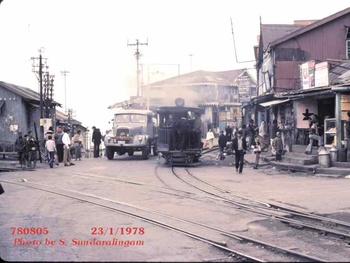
x=89, y=39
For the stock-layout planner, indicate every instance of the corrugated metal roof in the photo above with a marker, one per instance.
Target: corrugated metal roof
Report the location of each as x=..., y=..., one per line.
x=272, y=32
x=339, y=72
x=311, y=26
x=26, y=93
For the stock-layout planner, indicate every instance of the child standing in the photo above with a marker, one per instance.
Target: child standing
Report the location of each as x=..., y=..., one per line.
x=51, y=149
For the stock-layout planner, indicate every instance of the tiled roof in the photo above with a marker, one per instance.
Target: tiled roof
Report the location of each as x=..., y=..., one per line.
x=202, y=77
x=26, y=93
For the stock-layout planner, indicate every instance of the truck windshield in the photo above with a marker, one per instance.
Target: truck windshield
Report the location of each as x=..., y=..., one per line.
x=134, y=118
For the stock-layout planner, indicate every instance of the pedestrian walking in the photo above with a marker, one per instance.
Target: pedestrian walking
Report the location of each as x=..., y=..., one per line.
x=20, y=149
x=66, y=148
x=210, y=139
x=50, y=146
x=77, y=143
x=257, y=151
x=59, y=143
x=222, y=144
x=96, y=139
x=239, y=147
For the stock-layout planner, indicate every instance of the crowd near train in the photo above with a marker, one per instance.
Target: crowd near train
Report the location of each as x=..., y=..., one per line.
x=174, y=133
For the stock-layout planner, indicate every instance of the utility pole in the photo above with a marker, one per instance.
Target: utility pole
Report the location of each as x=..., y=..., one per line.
x=40, y=78
x=64, y=73
x=48, y=95
x=138, y=55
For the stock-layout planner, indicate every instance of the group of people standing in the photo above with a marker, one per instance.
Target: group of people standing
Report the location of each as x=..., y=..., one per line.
x=256, y=138
x=25, y=145
x=60, y=146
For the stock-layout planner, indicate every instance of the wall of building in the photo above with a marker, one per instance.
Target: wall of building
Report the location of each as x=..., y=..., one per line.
x=14, y=115
x=303, y=106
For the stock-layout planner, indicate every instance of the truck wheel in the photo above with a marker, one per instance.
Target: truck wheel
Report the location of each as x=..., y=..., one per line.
x=155, y=152
x=131, y=152
x=145, y=151
x=109, y=153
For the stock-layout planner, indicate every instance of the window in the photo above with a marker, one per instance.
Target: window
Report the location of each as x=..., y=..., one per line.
x=122, y=118
x=138, y=118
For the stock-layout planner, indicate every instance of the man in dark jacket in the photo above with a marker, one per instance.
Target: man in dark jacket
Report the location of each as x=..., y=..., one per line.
x=240, y=147
x=222, y=144
x=20, y=148
x=96, y=139
x=229, y=132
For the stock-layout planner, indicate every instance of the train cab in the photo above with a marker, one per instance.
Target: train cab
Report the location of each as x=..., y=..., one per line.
x=180, y=134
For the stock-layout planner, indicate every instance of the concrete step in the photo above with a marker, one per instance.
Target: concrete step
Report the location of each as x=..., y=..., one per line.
x=333, y=171
x=299, y=158
x=341, y=165
x=311, y=168
x=292, y=158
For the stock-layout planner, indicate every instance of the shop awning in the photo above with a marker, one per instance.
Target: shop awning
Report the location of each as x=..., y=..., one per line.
x=273, y=102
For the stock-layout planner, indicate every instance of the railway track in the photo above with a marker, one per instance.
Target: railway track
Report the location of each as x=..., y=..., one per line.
x=141, y=214
x=281, y=213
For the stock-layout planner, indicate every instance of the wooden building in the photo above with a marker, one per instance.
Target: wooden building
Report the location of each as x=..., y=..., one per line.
x=286, y=64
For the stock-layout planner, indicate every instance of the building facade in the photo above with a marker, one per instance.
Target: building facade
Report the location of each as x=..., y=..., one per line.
x=287, y=60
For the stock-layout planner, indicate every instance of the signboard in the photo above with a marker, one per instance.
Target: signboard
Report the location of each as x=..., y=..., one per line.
x=321, y=74
x=307, y=74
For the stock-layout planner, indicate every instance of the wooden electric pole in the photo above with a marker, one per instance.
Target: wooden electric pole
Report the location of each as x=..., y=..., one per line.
x=138, y=55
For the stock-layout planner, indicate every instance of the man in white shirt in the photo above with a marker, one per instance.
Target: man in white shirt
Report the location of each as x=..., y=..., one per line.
x=66, y=145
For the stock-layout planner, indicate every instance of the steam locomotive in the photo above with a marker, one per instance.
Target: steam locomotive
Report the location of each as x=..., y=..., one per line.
x=179, y=134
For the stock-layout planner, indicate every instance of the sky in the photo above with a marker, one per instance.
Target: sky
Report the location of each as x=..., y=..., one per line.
x=94, y=42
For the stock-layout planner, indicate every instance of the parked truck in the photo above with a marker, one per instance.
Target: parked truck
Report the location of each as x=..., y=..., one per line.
x=133, y=130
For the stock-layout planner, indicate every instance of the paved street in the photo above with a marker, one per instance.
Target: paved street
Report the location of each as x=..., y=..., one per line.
x=99, y=210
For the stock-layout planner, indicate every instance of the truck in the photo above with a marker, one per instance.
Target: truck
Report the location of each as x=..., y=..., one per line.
x=133, y=130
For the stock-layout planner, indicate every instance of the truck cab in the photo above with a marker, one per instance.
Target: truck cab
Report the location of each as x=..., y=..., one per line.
x=133, y=130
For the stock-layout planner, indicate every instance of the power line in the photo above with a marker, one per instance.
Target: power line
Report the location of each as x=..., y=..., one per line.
x=234, y=46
